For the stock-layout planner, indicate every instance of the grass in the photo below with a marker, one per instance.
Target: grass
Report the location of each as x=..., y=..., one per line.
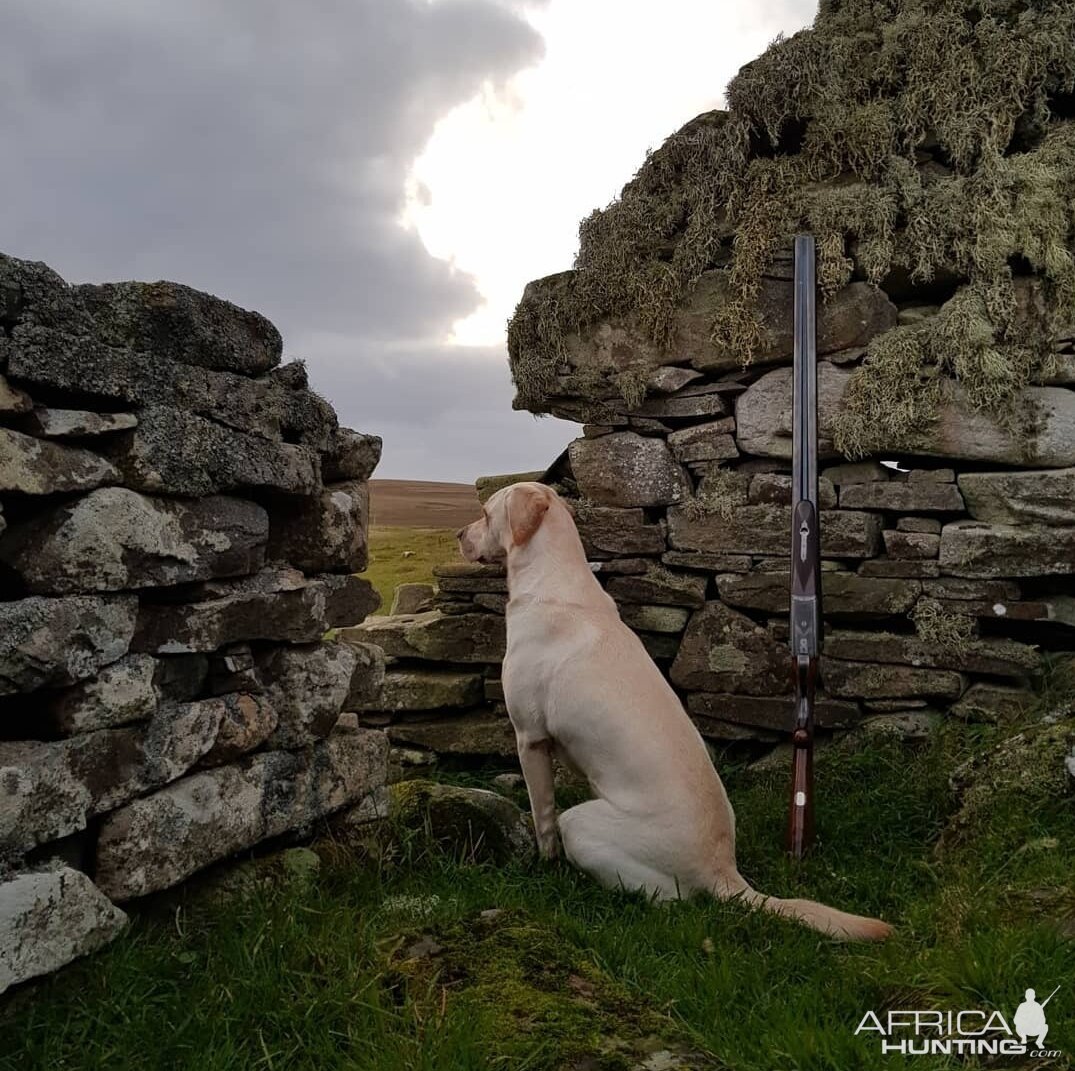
x=311, y=971
x=388, y=567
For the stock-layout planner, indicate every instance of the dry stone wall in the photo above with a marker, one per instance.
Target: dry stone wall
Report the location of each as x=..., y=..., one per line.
x=948, y=573
x=181, y=519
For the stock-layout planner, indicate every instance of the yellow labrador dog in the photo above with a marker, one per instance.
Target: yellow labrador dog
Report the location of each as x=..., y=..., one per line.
x=580, y=686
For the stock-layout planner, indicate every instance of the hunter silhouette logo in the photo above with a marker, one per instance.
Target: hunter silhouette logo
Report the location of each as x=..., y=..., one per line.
x=1030, y=1018
x=964, y=1033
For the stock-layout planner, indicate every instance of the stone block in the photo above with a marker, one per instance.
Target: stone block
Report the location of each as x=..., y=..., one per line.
x=626, y=469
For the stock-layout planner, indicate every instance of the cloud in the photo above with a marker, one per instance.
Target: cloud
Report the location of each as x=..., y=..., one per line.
x=258, y=149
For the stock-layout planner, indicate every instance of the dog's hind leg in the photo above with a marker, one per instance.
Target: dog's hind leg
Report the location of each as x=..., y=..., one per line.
x=599, y=840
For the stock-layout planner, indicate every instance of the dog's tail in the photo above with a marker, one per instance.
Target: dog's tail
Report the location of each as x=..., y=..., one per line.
x=828, y=920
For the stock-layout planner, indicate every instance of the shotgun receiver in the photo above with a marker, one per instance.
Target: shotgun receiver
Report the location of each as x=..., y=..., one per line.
x=805, y=636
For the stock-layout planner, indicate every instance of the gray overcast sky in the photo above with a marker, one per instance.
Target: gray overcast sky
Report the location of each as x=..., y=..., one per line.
x=366, y=173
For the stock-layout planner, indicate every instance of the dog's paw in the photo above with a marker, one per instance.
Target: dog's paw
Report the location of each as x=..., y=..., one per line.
x=549, y=848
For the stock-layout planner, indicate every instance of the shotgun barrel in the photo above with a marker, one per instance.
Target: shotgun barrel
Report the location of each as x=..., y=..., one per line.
x=805, y=635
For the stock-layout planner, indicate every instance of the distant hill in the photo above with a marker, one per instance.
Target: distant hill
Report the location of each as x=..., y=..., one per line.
x=422, y=504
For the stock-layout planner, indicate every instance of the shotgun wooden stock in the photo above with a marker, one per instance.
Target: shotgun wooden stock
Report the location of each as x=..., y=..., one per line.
x=805, y=636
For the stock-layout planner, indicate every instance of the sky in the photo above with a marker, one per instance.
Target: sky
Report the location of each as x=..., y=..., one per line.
x=380, y=178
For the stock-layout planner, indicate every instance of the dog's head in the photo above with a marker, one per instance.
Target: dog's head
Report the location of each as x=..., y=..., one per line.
x=509, y=519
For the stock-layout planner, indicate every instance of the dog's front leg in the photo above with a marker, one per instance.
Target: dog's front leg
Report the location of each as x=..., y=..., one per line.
x=535, y=757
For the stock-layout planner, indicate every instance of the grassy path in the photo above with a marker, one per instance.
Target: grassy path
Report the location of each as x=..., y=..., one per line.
x=400, y=555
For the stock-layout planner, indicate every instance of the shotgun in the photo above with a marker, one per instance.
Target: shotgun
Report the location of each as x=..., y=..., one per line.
x=805, y=636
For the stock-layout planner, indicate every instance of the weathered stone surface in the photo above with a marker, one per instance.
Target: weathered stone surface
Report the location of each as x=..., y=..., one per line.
x=669, y=619
x=427, y=689
x=121, y=693
x=844, y=593
x=901, y=567
x=971, y=548
x=856, y=472
x=902, y=496
x=278, y=605
x=326, y=533
x=13, y=400
x=705, y=442
x=961, y=431
x=467, y=585
x=352, y=456
x=996, y=657
x=708, y=563
x=31, y=293
x=368, y=673
x=487, y=486
x=234, y=669
x=1043, y=497
x=49, y=917
x=659, y=585
x=75, y=423
x=911, y=545
x=274, y=407
x=776, y=713
x=307, y=687
x=1059, y=609
x=668, y=379
x=627, y=469
x=924, y=525
x=154, y=843
x=177, y=323
x=180, y=453
x=606, y=530
x=36, y=467
x=763, y=413
x=412, y=599
x=469, y=734
x=932, y=476
x=992, y=702
x=950, y=587
x=766, y=529
x=472, y=823
x=435, y=636
x=48, y=790
x=114, y=538
x=859, y=680
x=620, y=566
x=724, y=651
x=696, y=401
x=246, y=721
x=54, y=642
x=775, y=488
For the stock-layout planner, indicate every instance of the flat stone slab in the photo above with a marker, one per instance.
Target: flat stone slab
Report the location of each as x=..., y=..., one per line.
x=54, y=642
x=436, y=636
x=480, y=733
x=912, y=546
x=76, y=423
x=274, y=605
x=996, y=657
x=32, y=466
x=843, y=593
x=902, y=496
x=864, y=681
x=352, y=455
x=987, y=702
x=427, y=689
x=666, y=619
x=606, y=530
x=177, y=452
x=975, y=549
x=113, y=539
x=626, y=469
x=178, y=323
x=216, y=813
x=49, y=917
x=766, y=529
x=1042, y=497
x=707, y=563
x=775, y=713
x=659, y=585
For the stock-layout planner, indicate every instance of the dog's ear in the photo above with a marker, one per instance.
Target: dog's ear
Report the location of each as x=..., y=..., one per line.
x=527, y=507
